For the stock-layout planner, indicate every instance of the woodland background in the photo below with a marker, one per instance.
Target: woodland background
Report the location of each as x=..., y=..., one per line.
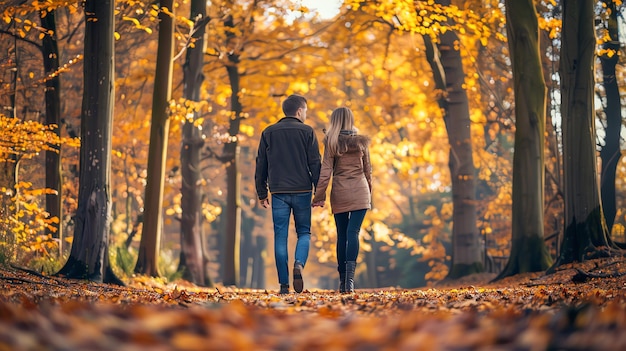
x=374, y=56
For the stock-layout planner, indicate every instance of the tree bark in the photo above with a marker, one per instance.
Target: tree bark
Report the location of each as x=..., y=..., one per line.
x=50, y=53
x=553, y=175
x=193, y=258
x=10, y=205
x=445, y=61
x=528, y=250
x=233, y=178
x=258, y=270
x=610, y=152
x=11, y=169
x=147, y=262
x=89, y=254
x=370, y=263
x=585, y=234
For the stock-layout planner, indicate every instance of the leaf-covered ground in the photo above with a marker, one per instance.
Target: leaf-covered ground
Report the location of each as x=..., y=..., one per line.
x=581, y=307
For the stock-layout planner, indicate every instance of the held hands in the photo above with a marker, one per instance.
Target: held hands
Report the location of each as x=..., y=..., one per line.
x=265, y=202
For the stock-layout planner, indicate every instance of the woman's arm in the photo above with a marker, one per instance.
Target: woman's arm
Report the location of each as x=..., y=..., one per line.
x=367, y=167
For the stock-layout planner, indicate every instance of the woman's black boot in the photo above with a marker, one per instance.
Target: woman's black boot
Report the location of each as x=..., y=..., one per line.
x=350, y=268
x=342, y=282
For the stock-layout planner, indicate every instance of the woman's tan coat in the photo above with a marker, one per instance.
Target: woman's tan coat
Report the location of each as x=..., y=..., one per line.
x=351, y=176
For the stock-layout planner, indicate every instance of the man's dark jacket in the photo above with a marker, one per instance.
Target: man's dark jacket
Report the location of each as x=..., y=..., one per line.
x=288, y=160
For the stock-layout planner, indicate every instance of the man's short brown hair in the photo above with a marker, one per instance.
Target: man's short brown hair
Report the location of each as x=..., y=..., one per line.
x=293, y=103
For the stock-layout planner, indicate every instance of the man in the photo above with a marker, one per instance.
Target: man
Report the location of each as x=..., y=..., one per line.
x=288, y=163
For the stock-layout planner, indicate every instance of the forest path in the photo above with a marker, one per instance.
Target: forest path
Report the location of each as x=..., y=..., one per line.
x=580, y=307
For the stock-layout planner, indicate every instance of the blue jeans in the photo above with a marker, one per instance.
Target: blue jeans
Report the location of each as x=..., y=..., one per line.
x=348, y=227
x=282, y=207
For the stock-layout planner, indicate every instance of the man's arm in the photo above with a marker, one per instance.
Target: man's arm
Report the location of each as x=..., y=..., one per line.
x=314, y=159
x=260, y=175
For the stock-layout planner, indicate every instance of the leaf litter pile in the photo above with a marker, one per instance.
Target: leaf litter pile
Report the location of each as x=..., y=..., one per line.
x=580, y=307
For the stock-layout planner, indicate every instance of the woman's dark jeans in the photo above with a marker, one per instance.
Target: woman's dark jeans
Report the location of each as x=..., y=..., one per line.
x=348, y=228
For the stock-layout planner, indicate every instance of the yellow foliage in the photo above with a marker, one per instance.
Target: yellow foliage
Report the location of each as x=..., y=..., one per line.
x=25, y=139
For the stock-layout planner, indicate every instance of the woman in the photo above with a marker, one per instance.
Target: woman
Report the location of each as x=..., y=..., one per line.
x=347, y=160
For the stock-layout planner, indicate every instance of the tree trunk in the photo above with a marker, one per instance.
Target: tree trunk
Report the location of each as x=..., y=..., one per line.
x=553, y=176
x=610, y=152
x=89, y=254
x=233, y=218
x=193, y=258
x=528, y=250
x=445, y=61
x=11, y=168
x=10, y=206
x=231, y=157
x=157, y=152
x=246, y=253
x=585, y=234
x=258, y=270
x=50, y=53
x=371, y=257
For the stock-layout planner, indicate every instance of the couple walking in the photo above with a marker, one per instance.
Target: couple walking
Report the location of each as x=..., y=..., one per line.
x=288, y=167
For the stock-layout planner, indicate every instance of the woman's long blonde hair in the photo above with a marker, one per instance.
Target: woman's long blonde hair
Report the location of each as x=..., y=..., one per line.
x=341, y=119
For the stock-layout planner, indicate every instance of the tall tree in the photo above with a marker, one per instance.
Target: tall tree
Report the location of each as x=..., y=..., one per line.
x=193, y=258
x=10, y=166
x=586, y=234
x=447, y=65
x=553, y=175
x=89, y=254
x=610, y=152
x=147, y=261
x=50, y=53
x=230, y=157
x=528, y=250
